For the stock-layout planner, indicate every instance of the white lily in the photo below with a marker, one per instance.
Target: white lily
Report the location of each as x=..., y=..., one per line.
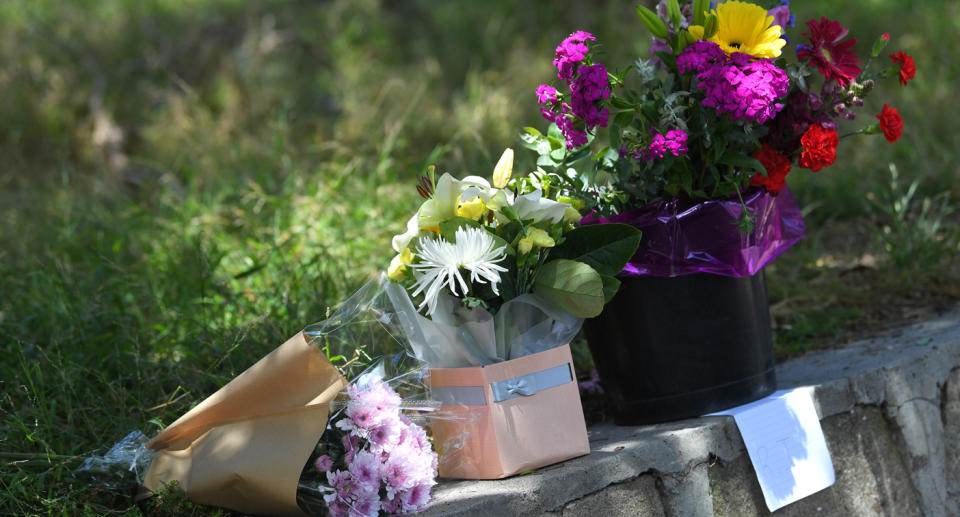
x=534, y=206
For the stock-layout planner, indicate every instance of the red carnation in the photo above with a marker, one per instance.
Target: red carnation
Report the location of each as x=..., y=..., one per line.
x=908, y=70
x=835, y=59
x=777, y=165
x=890, y=123
x=819, y=147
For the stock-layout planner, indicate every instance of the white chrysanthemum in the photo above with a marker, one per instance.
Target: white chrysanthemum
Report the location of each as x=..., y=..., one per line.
x=441, y=261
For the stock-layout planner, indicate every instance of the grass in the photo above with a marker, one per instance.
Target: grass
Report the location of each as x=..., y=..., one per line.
x=183, y=185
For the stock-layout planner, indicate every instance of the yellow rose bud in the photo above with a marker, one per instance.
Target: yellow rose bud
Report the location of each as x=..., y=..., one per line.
x=399, y=264
x=540, y=238
x=472, y=209
x=504, y=169
x=524, y=246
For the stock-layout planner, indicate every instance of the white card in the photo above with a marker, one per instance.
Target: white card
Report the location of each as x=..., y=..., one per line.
x=785, y=442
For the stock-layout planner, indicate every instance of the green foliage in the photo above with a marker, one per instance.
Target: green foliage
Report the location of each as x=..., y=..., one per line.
x=915, y=232
x=604, y=247
x=571, y=286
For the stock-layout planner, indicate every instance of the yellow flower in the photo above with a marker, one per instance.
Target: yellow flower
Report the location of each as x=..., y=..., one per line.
x=535, y=237
x=744, y=27
x=472, y=209
x=571, y=215
x=399, y=264
x=504, y=169
x=524, y=246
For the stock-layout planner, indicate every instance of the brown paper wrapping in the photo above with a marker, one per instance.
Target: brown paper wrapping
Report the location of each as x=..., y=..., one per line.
x=515, y=435
x=245, y=446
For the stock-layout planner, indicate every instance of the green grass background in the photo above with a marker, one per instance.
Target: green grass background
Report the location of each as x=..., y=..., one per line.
x=184, y=184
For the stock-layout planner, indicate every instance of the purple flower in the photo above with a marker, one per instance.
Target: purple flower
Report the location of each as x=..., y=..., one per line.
x=324, y=463
x=385, y=435
x=338, y=479
x=592, y=385
x=590, y=86
x=571, y=51
x=656, y=149
x=365, y=468
x=676, y=142
x=546, y=94
x=367, y=506
x=699, y=56
x=744, y=88
x=781, y=16
x=416, y=498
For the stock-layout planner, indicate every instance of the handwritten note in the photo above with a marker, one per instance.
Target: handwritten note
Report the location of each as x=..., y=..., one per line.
x=786, y=446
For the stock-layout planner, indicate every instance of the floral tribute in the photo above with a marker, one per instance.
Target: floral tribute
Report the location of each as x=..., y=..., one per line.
x=383, y=461
x=484, y=244
x=718, y=108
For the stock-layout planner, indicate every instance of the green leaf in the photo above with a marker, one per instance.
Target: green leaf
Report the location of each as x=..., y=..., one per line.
x=508, y=280
x=546, y=161
x=624, y=118
x=509, y=231
x=532, y=131
x=610, y=287
x=743, y=162
x=605, y=247
x=448, y=229
x=571, y=286
x=554, y=131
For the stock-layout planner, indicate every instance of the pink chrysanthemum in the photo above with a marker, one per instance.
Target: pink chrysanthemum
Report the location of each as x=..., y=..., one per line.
x=835, y=59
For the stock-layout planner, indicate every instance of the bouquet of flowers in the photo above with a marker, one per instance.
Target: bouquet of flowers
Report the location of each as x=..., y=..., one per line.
x=290, y=435
x=505, y=277
x=716, y=110
x=503, y=270
x=373, y=458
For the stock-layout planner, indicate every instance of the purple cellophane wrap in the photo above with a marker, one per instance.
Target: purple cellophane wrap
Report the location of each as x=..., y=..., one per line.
x=684, y=237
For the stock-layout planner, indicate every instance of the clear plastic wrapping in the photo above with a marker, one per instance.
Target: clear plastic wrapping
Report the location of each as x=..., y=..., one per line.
x=235, y=434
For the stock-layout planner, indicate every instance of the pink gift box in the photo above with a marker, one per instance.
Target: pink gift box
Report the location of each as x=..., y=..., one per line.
x=512, y=416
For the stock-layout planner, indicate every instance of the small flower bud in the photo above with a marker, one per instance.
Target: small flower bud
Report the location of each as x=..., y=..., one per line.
x=879, y=44
x=685, y=39
x=839, y=108
x=673, y=11
x=710, y=26
x=856, y=101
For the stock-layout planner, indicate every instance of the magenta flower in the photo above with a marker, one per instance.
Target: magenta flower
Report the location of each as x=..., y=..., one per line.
x=699, y=56
x=590, y=86
x=546, y=94
x=744, y=88
x=571, y=51
x=676, y=142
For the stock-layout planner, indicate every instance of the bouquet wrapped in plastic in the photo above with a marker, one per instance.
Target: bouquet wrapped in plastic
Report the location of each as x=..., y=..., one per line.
x=505, y=277
x=290, y=435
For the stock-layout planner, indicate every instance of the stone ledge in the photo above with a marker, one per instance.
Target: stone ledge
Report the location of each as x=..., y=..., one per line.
x=889, y=407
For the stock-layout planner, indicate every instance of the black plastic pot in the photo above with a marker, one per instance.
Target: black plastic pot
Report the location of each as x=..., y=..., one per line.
x=680, y=347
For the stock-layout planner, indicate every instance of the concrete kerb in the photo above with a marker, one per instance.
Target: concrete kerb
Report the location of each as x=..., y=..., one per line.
x=910, y=377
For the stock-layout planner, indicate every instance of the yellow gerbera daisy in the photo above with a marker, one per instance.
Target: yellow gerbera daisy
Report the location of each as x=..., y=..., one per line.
x=744, y=27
